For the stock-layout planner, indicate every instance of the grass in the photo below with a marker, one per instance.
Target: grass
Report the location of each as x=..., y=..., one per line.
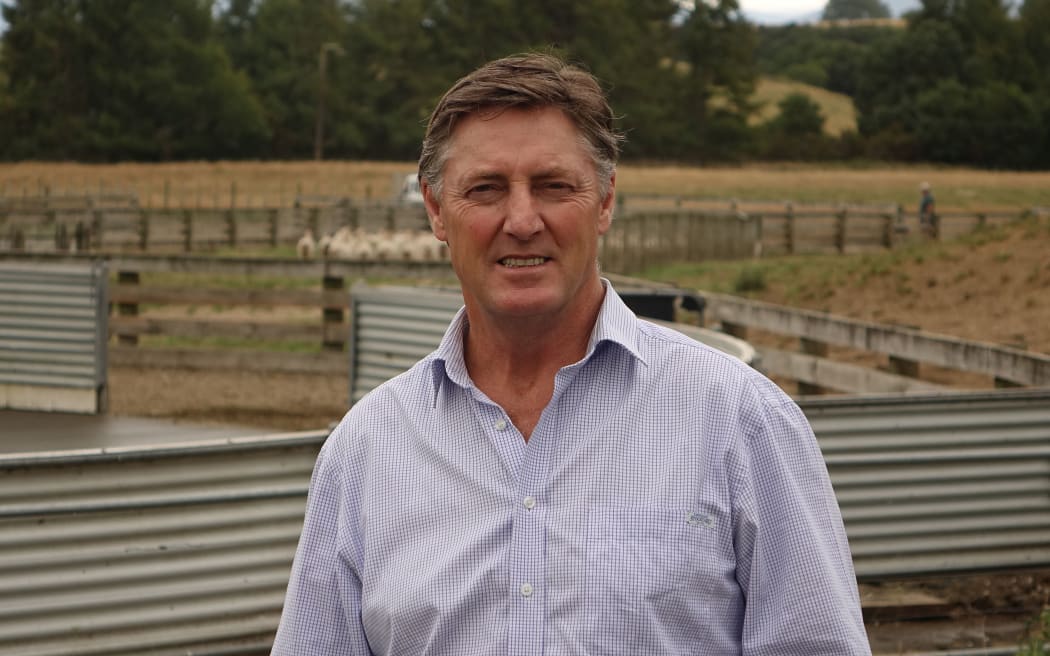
x=806, y=280
x=1039, y=636
x=258, y=184
x=803, y=273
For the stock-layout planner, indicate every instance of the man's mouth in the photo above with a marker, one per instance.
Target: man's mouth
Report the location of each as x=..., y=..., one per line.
x=515, y=262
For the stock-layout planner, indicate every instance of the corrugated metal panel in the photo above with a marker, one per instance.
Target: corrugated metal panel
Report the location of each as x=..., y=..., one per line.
x=940, y=483
x=187, y=549
x=392, y=328
x=170, y=550
x=53, y=333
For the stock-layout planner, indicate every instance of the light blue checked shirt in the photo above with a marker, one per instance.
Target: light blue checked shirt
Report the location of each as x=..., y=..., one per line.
x=670, y=500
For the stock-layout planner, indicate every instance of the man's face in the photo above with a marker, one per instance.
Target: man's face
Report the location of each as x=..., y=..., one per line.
x=521, y=212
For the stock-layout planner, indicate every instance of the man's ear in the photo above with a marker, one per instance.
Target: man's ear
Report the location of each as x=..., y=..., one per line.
x=430, y=201
x=608, y=204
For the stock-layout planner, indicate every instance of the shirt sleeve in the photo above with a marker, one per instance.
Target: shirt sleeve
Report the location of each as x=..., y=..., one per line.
x=322, y=607
x=793, y=559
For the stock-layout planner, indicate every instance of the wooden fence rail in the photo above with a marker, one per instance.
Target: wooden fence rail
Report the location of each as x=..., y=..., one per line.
x=905, y=349
x=638, y=239
x=143, y=308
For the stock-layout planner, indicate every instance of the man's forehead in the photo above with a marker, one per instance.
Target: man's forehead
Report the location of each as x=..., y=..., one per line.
x=492, y=141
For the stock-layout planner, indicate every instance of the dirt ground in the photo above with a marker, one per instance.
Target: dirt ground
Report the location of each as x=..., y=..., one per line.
x=995, y=290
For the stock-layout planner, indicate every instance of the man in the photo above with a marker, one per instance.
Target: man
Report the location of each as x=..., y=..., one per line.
x=927, y=211
x=559, y=477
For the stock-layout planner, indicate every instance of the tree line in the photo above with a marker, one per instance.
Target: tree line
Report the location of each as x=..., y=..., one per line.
x=963, y=82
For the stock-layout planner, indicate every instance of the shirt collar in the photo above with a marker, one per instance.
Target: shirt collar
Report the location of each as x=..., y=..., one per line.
x=616, y=324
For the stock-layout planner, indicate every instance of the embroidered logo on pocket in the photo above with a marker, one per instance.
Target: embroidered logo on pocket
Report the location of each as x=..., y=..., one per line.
x=701, y=520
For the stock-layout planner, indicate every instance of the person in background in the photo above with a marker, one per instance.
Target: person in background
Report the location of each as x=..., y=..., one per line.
x=927, y=212
x=560, y=476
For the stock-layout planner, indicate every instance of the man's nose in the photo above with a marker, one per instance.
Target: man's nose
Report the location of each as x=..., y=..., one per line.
x=523, y=218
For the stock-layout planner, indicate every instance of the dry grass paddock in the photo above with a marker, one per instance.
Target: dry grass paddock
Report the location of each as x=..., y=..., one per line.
x=270, y=184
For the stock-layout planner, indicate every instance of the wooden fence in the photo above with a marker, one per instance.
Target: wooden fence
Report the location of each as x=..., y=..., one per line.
x=133, y=229
x=640, y=236
x=903, y=354
x=286, y=325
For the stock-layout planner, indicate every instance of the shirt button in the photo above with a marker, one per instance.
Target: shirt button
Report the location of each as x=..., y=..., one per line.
x=501, y=425
x=529, y=503
x=526, y=589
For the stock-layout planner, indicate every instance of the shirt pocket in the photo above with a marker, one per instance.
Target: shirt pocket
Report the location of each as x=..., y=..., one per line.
x=653, y=574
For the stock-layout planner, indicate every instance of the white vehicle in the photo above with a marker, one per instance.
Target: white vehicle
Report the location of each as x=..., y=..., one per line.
x=410, y=193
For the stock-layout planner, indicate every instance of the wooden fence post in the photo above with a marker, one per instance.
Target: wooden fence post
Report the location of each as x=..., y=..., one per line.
x=187, y=231
x=887, y=231
x=737, y=330
x=840, y=231
x=274, y=213
x=814, y=348
x=313, y=220
x=61, y=237
x=903, y=367
x=333, y=318
x=756, y=247
x=789, y=229
x=124, y=309
x=97, y=227
x=231, y=228
x=17, y=238
x=144, y=229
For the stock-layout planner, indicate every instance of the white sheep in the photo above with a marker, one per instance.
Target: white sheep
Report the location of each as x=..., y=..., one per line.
x=386, y=245
x=306, y=246
x=323, y=244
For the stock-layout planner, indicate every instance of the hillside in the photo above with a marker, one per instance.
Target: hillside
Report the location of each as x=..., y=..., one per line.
x=839, y=114
x=991, y=286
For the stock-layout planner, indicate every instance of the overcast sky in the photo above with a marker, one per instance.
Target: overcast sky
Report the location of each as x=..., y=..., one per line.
x=782, y=6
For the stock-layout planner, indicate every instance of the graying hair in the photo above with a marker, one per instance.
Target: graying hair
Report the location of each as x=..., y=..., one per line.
x=525, y=81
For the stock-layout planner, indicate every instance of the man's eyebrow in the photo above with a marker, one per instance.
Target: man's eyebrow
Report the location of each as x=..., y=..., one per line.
x=482, y=174
x=553, y=172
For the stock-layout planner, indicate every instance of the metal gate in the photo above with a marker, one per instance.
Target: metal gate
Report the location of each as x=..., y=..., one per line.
x=53, y=334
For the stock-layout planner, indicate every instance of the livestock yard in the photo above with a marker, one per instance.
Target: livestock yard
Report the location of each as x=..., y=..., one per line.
x=987, y=280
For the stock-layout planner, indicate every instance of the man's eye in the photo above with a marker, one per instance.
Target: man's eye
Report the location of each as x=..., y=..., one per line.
x=556, y=187
x=486, y=188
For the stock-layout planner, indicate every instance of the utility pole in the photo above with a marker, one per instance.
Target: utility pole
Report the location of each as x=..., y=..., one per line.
x=322, y=65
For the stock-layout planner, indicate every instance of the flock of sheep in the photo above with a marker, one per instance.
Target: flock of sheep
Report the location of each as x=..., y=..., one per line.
x=386, y=245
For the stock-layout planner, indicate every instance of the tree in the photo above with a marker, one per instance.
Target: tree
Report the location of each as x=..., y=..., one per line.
x=799, y=116
x=717, y=48
x=124, y=79
x=797, y=131
x=1035, y=36
x=994, y=125
x=403, y=55
x=854, y=10
x=277, y=45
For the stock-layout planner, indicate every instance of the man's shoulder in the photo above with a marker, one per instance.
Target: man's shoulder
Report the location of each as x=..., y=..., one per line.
x=417, y=380
x=694, y=363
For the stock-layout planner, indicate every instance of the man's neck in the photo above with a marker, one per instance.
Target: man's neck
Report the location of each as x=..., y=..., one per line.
x=515, y=361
